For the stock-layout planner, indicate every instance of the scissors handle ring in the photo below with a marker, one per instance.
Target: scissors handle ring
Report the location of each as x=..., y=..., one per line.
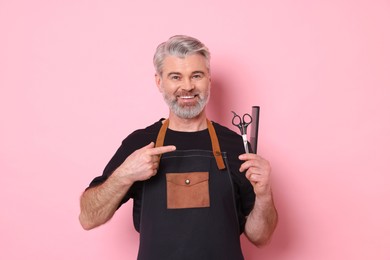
x=246, y=119
x=236, y=119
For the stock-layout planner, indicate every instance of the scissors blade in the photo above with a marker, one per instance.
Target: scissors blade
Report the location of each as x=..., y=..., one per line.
x=245, y=141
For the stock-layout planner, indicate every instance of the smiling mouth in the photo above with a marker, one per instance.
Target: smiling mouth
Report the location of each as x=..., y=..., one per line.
x=187, y=97
x=188, y=100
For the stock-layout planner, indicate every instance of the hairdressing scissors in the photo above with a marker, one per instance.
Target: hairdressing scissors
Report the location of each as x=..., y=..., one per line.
x=242, y=124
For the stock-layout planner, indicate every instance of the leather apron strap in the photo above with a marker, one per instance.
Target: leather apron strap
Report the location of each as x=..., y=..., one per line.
x=214, y=142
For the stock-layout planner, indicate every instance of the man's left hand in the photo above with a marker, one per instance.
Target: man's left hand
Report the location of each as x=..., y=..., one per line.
x=258, y=172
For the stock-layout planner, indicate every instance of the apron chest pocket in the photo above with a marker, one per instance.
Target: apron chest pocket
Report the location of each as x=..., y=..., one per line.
x=188, y=190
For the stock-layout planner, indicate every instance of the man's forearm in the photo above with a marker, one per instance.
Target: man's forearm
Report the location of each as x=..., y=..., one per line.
x=98, y=204
x=262, y=221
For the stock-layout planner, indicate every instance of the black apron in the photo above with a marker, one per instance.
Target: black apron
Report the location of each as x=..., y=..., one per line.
x=188, y=208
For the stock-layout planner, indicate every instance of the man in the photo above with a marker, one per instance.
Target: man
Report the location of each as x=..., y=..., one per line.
x=195, y=190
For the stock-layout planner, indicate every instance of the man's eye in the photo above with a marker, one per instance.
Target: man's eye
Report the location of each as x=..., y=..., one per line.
x=197, y=76
x=175, y=77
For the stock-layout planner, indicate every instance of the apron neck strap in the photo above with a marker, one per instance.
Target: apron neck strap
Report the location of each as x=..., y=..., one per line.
x=214, y=142
x=161, y=134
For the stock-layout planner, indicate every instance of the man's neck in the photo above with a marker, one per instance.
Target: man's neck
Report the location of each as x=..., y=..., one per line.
x=188, y=125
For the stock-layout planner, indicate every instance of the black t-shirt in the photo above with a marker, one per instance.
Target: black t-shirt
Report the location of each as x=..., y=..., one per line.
x=230, y=142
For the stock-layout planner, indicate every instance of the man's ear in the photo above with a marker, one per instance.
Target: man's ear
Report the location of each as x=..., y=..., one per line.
x=158, y=80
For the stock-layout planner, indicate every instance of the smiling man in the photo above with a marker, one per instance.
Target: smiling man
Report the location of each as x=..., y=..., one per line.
x=185, y=85
x=195, y=190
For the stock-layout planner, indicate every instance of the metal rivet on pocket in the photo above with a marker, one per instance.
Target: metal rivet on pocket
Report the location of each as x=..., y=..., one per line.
x=187, y=181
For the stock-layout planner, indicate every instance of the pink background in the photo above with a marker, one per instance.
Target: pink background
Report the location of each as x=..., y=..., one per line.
x=76, y=77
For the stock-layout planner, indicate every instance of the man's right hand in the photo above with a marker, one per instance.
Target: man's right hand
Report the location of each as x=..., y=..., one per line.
x=142, y=164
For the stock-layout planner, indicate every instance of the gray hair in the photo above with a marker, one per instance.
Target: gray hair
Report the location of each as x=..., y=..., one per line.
x=179, y=46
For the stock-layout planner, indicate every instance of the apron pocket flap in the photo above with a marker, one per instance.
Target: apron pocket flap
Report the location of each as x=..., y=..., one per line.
x=187, y=179
x=187, y=190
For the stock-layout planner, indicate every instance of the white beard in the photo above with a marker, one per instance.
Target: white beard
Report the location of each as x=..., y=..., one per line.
x=187, y=111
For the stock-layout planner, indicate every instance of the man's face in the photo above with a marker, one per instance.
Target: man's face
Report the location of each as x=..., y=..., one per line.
x=185, y=85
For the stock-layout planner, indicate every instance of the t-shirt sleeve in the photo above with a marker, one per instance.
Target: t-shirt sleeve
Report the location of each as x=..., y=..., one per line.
x=133, y=142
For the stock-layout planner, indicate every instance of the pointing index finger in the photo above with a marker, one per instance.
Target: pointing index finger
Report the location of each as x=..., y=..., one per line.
x=162, y=150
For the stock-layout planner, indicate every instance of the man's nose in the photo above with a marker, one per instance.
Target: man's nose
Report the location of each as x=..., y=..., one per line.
x=188, y=85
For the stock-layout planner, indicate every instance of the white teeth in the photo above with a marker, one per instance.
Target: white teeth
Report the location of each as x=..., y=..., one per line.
x=187, y=97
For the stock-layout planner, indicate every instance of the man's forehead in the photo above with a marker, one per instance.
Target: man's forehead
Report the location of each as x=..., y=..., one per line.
x=188, y=64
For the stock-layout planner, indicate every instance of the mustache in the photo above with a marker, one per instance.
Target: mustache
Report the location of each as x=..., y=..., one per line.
x=187, y=93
